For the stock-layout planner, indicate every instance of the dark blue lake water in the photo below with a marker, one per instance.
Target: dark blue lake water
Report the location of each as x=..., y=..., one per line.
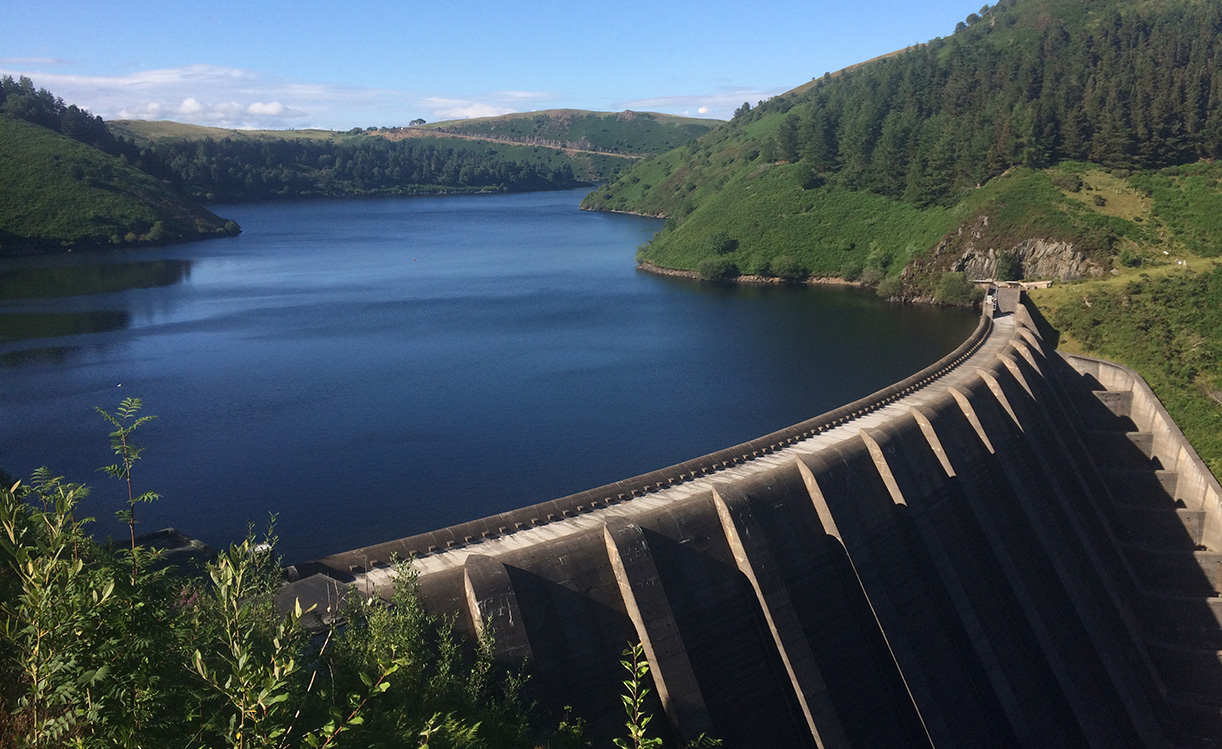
x=371, y=369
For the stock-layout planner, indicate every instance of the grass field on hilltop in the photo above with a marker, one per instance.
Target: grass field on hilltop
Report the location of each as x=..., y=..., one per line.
x=150, y=131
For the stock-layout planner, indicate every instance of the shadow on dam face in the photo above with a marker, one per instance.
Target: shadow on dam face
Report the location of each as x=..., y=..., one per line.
x=577, y=637
x=727, y=640
x=1011, y=548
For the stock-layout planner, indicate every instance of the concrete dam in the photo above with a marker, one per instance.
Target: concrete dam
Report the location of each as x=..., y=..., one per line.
x=1009, y=548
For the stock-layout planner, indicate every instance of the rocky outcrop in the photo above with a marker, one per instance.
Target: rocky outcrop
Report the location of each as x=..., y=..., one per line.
x=1036, y=258
x=977, y=250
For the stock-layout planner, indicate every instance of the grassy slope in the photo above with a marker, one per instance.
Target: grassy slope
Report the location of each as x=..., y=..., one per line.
x=769, y=214
x=643, y=132
x=770, y=211
x=631, y=133
x=55, y=192
x=1162, y=317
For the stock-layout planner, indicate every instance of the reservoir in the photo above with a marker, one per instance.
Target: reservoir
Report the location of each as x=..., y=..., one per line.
x=370, y=369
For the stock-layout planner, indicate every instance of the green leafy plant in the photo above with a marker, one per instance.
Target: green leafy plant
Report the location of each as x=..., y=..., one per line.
x=125, y=421
x=1009, y=266
x=251, y=667
x=889, y=288
x=447, y=691
x=98, y=650
x=720, y=243
x=635, y=692
x=52, y=607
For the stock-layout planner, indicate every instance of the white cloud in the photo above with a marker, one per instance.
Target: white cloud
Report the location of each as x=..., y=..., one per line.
x=199, y=94
x=228, y=97
x=274, y=109
x=149, y=110
x=487, y=105
x=235, y=98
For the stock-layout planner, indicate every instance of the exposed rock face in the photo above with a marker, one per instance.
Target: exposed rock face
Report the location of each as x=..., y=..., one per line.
x=1039, y=259
x=975, y=250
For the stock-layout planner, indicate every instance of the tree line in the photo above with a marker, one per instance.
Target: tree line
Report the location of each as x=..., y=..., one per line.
x=240, y=170
x=248, y=170
x=1129, y=90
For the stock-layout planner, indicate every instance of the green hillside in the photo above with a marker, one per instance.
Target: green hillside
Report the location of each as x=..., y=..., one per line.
x=627, y=132
x=1052, y=139
x=891, y=159
x=58, y=193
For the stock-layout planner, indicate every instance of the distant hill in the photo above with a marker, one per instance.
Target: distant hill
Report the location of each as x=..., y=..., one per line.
x=595, y=146
x=242, y=167
x=57, y=193
x=627, y=132
x=146, y=132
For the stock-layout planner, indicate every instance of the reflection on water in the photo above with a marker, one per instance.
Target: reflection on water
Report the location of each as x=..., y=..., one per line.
x=81, y=280
x=49, y=356
x=24, y=326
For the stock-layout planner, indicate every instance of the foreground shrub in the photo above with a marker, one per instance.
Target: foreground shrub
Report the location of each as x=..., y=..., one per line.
x=103, y=646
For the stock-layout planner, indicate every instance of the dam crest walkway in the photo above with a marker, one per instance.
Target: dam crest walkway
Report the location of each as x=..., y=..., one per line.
x=1001, y=331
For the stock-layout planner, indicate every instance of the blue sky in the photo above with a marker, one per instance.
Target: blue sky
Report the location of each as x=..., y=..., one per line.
x=377, y=62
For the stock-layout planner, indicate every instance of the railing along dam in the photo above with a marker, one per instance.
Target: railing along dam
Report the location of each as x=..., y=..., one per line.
x=997, y=551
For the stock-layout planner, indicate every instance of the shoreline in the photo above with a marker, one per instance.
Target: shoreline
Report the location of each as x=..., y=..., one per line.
x=648, y=267
x=622, y=213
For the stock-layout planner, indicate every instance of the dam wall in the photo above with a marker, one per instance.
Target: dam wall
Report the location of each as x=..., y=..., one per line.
x=1006, y=549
